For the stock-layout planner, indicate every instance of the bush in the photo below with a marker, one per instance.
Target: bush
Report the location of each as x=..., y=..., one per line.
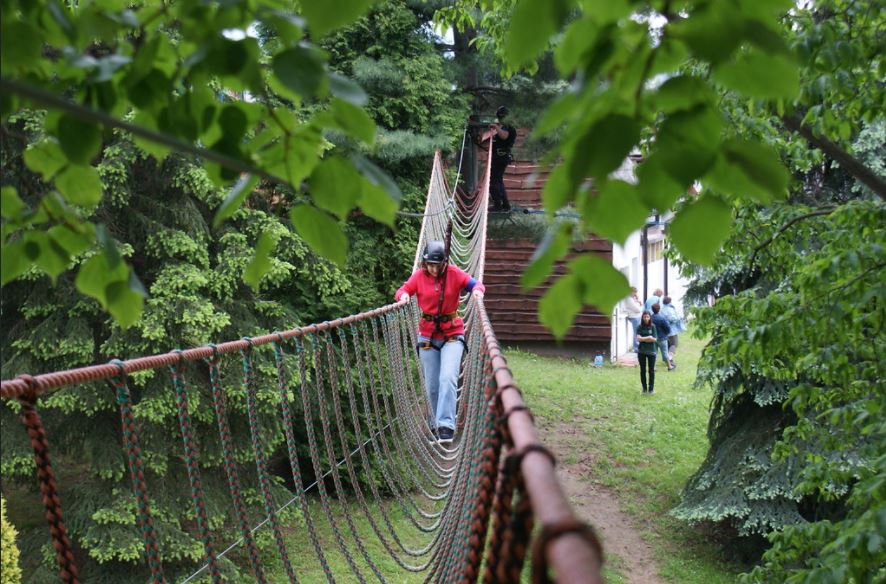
x=10, y=573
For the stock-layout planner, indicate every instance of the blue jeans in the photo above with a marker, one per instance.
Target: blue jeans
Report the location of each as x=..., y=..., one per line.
x=441, y=368
x=635, y=322
x=663, y=347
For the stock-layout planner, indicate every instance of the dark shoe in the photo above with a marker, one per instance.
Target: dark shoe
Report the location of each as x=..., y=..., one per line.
x=432, y=439
x=445, y=435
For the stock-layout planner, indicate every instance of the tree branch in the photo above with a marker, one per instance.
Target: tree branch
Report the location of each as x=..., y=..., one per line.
x=848, y=162
x=486, y=89
x=786, y=226
x=52, y=101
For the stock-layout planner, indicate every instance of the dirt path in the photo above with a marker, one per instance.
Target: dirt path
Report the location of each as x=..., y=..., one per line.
x=599, y=507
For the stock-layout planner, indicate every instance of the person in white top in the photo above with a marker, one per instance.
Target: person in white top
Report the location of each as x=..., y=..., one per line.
x=634, y=310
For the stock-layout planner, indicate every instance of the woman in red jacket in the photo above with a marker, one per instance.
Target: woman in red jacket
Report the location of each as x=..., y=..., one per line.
x=437, y=286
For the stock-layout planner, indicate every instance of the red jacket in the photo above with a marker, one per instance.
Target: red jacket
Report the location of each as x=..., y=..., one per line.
x=427, y=289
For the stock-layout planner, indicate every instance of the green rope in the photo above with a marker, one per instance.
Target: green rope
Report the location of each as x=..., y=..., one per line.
x=224, y=431
x=192, y=456
x=137, y=472
x=261, y=462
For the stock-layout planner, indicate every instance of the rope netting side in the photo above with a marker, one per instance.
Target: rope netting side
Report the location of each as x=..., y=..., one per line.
x=261, y=462
x=137, y=472
x=224, y=430
x=192, y=462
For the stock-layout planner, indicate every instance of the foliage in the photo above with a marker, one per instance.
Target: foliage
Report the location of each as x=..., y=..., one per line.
x=206, y=280
x=10, y=572
x=795, y=453
x=167, y=72
x=654, y=75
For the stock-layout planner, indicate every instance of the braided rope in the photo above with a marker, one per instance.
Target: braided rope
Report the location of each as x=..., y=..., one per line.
x=192, y=456
x=324, y=383
x=30, y=418
x=292, y=448
x=137, y=472
x=364, y=459
x=485, y=493
x=261, y=463
x=224, y=431
x=315, y=452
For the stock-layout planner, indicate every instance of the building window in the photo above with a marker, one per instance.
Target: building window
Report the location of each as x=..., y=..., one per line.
x=654, y=251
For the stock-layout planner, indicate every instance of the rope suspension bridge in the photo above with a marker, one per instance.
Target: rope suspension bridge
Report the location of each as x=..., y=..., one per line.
x=479, y=508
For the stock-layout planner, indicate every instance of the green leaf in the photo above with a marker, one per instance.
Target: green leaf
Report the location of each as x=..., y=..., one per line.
x=13, y=261
x=760, y=75
x=713, y=32
x=321, y=232
x=553, y=246
x=687, y=143
x=606, y=10
x=603, y=285
x=377, y=176
x=326, y=15
x=261, y=262
x=80, y=185
x=145, y=120
x=616, y=211
x=300, y=70
x=50, y=258
x=558, y=189
x=110, y=283
x=657, y=189
x=556, y=114
x=579, y=37
x=603, y=147
x=20, y=43
x=682, y=92
x=749, y=169
x=559, y=305
x=234, y=124
x=11, y=205
x=80, y=141
x=350, y=119
x=533, y=22
x=46, y=158
x=700, y=228
x=335, y=186
x=377, y=203
x=73, y=242
x=346, y=89
x=241, y=189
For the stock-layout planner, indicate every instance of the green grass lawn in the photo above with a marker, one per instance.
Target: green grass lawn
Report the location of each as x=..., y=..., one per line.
x=642, y=448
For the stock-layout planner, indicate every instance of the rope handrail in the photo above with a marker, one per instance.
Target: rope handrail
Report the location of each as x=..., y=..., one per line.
x=38, y=384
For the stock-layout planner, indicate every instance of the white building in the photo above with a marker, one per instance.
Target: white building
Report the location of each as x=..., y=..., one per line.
x=641, y=259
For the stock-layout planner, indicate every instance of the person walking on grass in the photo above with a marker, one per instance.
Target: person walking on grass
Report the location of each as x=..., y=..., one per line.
x=634, y=310
x=675, y=321
x=648, y=342
x=437, y=285
x=654, y=299
x=663, y=331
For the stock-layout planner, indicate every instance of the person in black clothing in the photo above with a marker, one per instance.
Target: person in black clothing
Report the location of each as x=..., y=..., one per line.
x=663, y=330
x=647, y=345
x=502, y=142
